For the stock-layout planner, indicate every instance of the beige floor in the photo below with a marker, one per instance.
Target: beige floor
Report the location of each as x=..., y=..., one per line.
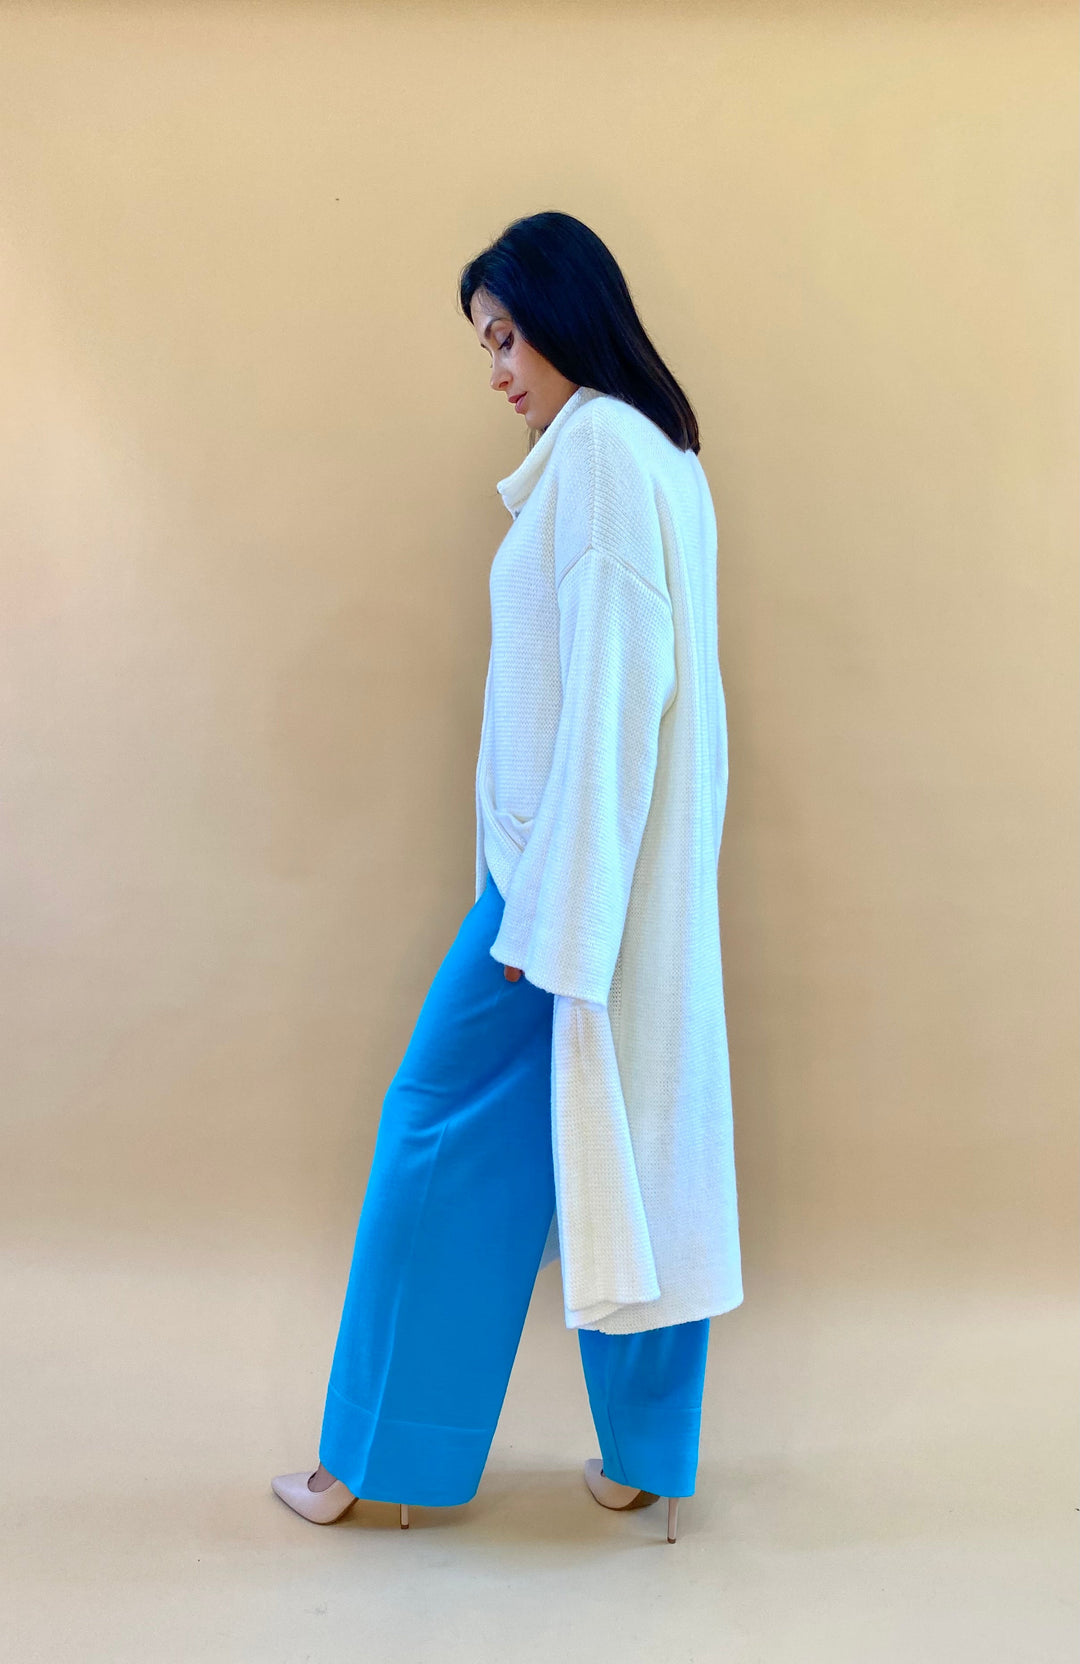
x=881, y=1480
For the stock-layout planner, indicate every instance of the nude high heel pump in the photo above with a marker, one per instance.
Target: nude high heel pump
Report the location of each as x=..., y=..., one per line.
x=610, y=1494
x=321, y=1507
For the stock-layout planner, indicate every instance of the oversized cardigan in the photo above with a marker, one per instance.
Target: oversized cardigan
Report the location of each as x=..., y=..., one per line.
x=601, y=786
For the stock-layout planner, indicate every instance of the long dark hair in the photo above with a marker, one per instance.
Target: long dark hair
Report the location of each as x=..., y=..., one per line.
x=565, y=293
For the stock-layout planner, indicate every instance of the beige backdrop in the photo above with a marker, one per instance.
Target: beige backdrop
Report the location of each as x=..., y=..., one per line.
x=248, y=500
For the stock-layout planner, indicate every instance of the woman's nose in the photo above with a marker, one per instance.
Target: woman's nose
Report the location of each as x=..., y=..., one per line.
x=499, y=378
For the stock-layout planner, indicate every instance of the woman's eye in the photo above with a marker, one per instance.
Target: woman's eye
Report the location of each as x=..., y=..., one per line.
x=504, y=344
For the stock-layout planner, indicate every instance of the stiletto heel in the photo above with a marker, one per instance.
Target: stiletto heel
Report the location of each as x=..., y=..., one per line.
x=403, y=1515
x=672, y=1517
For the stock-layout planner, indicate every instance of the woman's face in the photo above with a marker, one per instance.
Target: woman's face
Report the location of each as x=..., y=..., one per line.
x=534, y=386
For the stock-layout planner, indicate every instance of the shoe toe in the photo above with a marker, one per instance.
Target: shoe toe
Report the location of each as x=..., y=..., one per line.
x=321, y=1507
x=289, y=1485
x=609, y=1493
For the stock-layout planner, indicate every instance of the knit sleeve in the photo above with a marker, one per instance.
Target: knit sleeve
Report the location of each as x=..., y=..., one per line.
x=565, y=907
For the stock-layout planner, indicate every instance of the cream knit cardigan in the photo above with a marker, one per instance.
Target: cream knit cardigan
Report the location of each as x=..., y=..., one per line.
x=601, y=786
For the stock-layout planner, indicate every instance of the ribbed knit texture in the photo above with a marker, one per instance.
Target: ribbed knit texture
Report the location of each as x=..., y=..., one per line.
x=601, y=786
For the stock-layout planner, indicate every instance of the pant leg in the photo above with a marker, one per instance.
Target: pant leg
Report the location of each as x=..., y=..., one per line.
x=453, y=1224
x=645, y=1393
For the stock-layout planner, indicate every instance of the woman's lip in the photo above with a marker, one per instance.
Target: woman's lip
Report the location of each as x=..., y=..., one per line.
x=517, y=402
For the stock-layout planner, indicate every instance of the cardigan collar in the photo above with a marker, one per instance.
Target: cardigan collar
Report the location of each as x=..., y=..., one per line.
x=515, y=488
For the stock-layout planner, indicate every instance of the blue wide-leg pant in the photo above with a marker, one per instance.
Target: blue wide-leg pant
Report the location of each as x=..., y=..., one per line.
x=451, y=1233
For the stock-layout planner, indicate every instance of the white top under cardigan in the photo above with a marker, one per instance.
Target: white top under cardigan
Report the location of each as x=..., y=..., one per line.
x=601, y=786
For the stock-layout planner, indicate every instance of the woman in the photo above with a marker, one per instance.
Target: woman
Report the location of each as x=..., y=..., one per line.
x=566, y=1091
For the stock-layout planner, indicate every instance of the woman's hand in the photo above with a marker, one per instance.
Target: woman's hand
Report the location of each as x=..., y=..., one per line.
x=511, y=973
